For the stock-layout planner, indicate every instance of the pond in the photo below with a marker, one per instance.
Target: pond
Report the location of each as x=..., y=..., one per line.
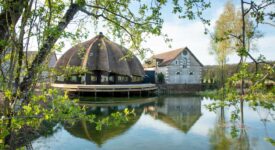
x=165, y=123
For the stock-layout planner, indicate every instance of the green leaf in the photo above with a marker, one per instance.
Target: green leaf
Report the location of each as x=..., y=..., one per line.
x=270, y=140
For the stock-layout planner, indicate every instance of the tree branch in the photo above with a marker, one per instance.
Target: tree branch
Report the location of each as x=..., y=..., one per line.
x=264, y=77
x=119, y=15
x=250, y=8
x=268, y=23
x=9, y=16
x=45, y=50
x=89, y=13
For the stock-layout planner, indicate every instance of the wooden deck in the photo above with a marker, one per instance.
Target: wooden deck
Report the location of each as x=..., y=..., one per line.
x=106, y=88
x=117, y=102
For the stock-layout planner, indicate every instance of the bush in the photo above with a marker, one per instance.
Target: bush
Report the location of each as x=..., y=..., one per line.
x=160, y=77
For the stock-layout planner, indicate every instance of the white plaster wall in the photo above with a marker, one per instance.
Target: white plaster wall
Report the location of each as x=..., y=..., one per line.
x=162, y=70
x=52, y=61
x=184, y=76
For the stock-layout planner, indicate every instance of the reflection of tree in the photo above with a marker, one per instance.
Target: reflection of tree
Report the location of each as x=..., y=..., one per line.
x=265, y=114
x=238, y=132
x=28, y=134
x=221, y=139
x=218, y=137
x=242, y=113
x=242, y=141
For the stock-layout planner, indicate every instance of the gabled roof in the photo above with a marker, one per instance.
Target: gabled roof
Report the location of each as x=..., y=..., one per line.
x=31, y=55
x=34, y=53
x=183, y=123
x=167, y=57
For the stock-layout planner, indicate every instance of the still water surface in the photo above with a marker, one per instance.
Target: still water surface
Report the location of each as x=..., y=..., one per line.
x=165, y=123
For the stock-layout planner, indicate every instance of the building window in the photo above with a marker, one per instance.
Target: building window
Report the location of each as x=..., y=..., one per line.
x=74, y=78
x=184, y=63
x=122, y=78
x=83, y=77
x=184, y=53
x=191, y=73
x=178, y=73
x=119, y=78
x=125, y=79
x=104, y=78
x=111, y=78
x=60, y=78
x=93, y=78
x=176, y=62
x=136, y=79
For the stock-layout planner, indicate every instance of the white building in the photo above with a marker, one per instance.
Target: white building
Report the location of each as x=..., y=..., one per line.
x=50, y=62
x=179, y=66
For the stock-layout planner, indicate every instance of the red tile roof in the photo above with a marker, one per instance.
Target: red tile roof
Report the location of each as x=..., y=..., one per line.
x=167, y=57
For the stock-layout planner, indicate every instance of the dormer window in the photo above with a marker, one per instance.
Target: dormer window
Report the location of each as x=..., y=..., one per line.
x=184, y=53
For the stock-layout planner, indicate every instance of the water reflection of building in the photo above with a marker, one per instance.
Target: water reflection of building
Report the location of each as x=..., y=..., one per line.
x=85, y=130
x=178, y=112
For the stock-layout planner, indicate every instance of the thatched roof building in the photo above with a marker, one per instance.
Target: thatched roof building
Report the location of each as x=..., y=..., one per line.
x=102, y=61
x=86, y=130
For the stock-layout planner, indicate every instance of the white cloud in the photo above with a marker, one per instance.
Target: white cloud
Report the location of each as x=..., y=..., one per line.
x=187, y=33
x=266, y=47
x=190, y=35
x=146, y=121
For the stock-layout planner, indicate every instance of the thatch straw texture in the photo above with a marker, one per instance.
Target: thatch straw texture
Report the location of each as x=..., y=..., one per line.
x=101, y=54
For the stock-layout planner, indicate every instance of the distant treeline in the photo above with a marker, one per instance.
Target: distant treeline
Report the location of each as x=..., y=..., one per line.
x=211, y=74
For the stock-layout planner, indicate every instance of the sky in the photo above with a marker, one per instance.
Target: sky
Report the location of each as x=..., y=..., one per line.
x=190, y=33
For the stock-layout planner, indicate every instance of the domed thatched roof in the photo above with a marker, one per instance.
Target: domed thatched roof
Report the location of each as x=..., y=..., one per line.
x=86, y=130
x=99, y=53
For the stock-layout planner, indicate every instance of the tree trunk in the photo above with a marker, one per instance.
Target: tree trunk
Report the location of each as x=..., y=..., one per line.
x=8, y=17
x=242, y=60
x=45, y=50
x=20, y=47
x=243, y=44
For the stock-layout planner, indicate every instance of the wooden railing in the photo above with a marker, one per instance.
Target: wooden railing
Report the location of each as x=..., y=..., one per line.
x=105, y=88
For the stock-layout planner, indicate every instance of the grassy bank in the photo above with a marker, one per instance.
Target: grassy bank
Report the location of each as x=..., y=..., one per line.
x=213, y=94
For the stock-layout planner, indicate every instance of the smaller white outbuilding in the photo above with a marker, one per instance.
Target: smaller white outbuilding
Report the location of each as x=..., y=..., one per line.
x=179, y=66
